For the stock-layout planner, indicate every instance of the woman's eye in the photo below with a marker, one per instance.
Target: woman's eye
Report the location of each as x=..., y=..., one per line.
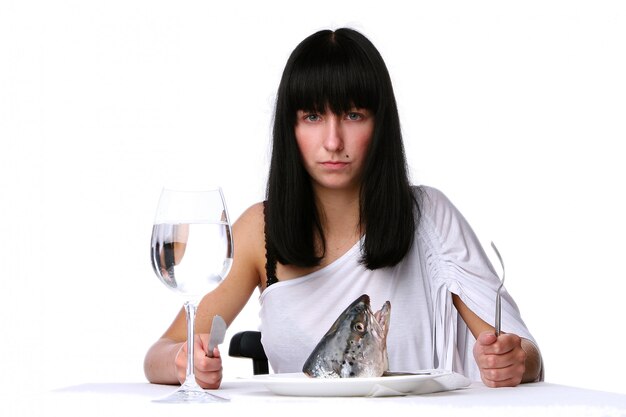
x=353, y=116
x=312, y=117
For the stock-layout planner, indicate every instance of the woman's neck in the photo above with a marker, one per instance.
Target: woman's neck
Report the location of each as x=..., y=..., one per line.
x=339, y=212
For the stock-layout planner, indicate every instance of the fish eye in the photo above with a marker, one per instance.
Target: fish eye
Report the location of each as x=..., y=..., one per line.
x=359, y=327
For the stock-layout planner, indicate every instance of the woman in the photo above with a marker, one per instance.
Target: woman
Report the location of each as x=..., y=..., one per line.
x=340, y=220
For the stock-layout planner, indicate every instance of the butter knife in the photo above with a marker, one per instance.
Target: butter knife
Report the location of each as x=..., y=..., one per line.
x=218, y=330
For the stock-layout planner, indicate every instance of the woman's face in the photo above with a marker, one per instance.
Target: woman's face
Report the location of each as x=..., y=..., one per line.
x=333, y=147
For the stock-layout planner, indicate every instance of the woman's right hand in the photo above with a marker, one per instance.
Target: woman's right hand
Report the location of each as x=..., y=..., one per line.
x=208, y=370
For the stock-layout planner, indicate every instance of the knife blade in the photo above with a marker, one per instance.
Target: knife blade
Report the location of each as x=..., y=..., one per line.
x=218, y=330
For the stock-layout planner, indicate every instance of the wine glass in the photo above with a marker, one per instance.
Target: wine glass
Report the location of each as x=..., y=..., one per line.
x=191, y=251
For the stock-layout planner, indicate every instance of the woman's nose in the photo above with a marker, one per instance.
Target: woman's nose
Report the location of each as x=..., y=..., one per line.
x=334, y=140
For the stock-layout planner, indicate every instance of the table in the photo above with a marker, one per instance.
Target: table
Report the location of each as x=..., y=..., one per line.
x=251, y=398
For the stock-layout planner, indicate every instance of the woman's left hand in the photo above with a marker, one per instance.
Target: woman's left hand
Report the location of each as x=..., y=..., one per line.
x=501, y=359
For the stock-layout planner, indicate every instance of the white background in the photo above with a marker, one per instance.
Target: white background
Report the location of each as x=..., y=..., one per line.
x=514, y=109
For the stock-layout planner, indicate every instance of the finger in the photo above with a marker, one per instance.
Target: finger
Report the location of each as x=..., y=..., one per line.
x=204, y=363
x=501, y=363
x=503, y=344
x=486, y=338
x=213, y=354
x=511, y=382
x=501, y=360
x=216, y=352
x=209, y=370
x=485, y=344
x=204, y=340
x=200, y=342
x=180, y=362
x=506, y=369
x=209, y=380
x=503, y=377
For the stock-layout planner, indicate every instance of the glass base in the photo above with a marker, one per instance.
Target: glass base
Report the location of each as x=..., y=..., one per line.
x=192, y=396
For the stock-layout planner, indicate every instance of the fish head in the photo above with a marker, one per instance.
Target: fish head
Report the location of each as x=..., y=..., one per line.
x=355, y=345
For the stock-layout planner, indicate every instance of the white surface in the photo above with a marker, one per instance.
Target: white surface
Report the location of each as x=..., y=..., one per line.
x=252, y=398
x=300, y=385
x=514, y=109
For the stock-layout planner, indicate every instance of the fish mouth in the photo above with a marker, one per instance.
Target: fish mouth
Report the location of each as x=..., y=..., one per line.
x=382, y=318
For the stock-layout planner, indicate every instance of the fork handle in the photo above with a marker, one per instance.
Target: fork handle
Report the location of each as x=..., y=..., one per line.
x=498, y=315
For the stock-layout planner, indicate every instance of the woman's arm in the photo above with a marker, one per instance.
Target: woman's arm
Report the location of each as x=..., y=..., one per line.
x=506, y=360
x=166, y=360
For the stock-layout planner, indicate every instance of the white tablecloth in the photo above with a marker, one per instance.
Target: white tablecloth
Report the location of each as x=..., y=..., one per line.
x=251, y=398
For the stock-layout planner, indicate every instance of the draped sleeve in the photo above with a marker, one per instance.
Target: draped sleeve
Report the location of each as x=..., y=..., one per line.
x=457, y=264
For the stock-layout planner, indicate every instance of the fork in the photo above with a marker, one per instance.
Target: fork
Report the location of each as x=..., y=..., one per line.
x=498, y=297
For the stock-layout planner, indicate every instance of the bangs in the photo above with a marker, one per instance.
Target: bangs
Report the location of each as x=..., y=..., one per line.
x=335, y=77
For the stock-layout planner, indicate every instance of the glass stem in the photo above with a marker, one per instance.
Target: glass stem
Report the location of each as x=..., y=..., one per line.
x=190, y=378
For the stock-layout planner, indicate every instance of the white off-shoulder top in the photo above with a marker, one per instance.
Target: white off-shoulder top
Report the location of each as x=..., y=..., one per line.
x=425, y=330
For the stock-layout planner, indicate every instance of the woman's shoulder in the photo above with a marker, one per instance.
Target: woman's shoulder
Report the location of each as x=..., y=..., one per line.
x=439, y=216
x=252, y=219
x=254, y=210
x=436, y=209
x=430, y=198
x=249, y=236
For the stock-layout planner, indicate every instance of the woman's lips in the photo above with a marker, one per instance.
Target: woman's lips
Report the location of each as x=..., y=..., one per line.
x=334, y=164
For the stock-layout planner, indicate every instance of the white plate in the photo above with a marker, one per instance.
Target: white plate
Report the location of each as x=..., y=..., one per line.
x=298, y=384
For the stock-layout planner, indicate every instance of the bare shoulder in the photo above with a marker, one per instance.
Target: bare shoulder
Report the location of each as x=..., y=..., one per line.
x=254, y=212
x=251, y=223
x=249, y=237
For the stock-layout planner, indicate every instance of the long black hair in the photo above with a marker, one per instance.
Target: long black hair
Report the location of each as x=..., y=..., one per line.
x=339, y=70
